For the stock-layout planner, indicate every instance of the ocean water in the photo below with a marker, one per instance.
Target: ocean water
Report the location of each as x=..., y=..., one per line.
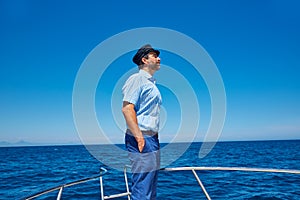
x=28, y=170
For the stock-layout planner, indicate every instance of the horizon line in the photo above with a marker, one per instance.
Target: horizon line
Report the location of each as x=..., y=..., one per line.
x=23, y=143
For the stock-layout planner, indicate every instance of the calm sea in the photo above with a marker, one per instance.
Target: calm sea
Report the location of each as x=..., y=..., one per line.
x=28, y=170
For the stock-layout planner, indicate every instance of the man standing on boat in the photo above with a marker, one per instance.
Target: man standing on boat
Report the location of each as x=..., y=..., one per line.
x=141, y=108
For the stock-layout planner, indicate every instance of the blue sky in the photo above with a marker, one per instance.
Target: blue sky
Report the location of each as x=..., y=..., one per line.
x=254, y=44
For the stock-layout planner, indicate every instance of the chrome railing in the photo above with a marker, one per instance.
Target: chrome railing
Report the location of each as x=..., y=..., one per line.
x=103, y=171
x=61, y=187
x=194, y=169
x=127, y=193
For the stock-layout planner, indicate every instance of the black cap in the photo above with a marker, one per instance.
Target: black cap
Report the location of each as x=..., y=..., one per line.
x=143, y=51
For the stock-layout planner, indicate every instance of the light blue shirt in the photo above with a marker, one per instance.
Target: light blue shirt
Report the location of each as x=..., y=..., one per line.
x=140, y=90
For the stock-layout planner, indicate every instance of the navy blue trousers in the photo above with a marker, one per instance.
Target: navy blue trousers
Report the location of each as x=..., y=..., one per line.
x=144, y=167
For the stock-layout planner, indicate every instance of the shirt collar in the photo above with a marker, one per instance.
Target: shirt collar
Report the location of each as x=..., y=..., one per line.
x=147, y=75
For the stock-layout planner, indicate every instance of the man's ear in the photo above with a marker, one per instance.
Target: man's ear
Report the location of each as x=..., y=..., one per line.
x=144, y=60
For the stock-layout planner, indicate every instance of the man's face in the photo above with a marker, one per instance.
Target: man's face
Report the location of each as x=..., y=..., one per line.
x=153, y=61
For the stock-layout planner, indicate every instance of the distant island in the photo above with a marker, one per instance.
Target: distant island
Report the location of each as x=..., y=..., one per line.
x=19, y=143
x=22, y=143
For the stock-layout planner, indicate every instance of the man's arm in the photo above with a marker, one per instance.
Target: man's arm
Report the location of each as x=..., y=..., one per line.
x=131, y=121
